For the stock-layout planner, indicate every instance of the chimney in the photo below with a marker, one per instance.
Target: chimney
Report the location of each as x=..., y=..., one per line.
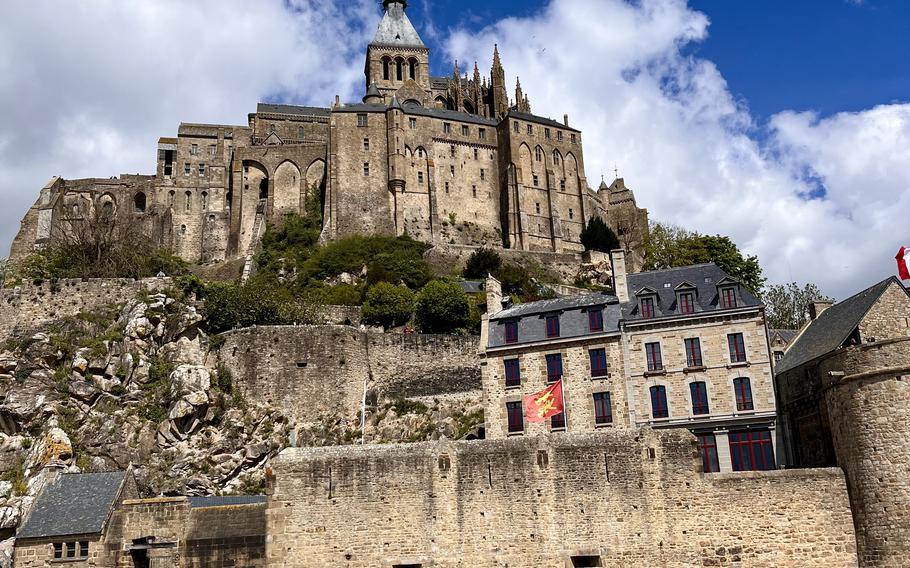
x=337, y=101
x=620, y=285
x=818, y=307
x=565, y=119
x=494, y=296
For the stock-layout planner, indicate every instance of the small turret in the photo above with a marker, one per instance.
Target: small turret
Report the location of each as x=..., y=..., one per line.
x=373, y=95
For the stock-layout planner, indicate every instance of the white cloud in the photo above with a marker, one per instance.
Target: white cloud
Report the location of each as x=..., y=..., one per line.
x=693, y=153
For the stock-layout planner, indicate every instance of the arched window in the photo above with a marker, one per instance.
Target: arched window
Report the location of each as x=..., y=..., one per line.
x=139, y=202
x=188, y=202
x=171, y=198
x=75, y=209
x=386, y=68
x=228, y=198
x=412, y=68
x=399, y=69
x=556, y=157
x=107, y=210
x=742, y=387
x=205, y=200
x=538, y=154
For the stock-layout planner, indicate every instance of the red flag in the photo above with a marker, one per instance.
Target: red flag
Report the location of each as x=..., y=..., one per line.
x=544, y=404
x=903, y=263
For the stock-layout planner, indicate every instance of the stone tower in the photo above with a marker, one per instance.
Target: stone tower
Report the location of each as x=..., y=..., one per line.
x=398, y=62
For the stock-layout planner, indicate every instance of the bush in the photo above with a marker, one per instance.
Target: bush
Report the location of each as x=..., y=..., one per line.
x=258, y=302
x=598, y=236
x=342, y=295
x=482, y=263
x=388, y=305
x=394, y=259
x=442, y=307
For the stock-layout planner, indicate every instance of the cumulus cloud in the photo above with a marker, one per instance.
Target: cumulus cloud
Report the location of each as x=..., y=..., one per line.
x=822, y=200
x=88, y=87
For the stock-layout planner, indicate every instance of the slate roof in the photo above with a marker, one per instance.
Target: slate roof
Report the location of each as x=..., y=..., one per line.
x=833, y=328
x=396, y=29
x=222, y=501
x=445, y=114
x=703, y=277
x=787, y=335
x=292, y=109
x=556, y=305
x=471, y=286
x=74, y=504
x=539, y=120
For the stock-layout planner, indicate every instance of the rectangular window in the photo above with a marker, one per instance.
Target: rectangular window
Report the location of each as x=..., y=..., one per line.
x=537, y=208
x=707, y=445
x=212, y=149
x=301, y=133
x=536, y=181
x=530, y=129
x=465, y=130
x=562, y=185
x=687, y=303
x=693, y=352
x=516, y=127
x=647, y=308
x=71, y=550
x=412, y=122
x=728, y=298
x=546, y=133
x=83, y=549
x=603, y=413
x=201, y=170
x=737, y=348
x=659, y=402
x=483, y=174
x=699, y=392
x=474, y=191
x=58, y=550
x=752, y=450
x=186, y=169
x=552, y=326
x=573, y=139
x=559, y=135
x=366, y=169
x=595, y=320
x=482, y=133
x=363, y=120
x=452, y=170
x=446, y=128
x=516, y=418
x=554, y=367
x=571, y=214
x=475, y=153
x=655, y=361
x=420, y=178
x=366, y=144
x=598, y=362
x=558, y=421
x=194, y=150
x=511, y=332
x=513, y=373
x=742, y=387
x=447, y=187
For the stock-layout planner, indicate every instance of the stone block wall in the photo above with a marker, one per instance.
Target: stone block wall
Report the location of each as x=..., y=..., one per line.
x=633, y=499
x=29, y=306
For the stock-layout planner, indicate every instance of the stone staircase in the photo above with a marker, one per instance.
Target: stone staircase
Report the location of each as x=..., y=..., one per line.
x=254, y=241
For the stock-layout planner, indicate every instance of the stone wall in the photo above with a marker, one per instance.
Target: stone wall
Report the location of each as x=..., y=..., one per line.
x=318, y=371
x=626, y=498
x=29, y=306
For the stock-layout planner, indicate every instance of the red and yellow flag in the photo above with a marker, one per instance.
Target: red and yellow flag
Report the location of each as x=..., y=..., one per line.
x=545, y=404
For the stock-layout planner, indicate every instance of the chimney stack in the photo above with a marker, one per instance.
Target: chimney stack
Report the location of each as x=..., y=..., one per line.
x=620, y=283
x=565, y=119
x=494, y=296
x=818, y=307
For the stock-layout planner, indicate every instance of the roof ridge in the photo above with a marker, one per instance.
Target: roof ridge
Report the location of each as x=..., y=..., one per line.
x=672, y=268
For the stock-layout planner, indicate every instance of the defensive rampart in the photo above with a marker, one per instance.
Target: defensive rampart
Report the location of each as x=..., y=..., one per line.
x=617, y=498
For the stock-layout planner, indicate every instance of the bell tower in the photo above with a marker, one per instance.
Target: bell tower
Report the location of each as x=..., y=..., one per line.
x=397, y=57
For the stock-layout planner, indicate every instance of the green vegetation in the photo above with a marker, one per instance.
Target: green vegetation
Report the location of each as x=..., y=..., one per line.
x=467, y=422
x=157, y=391
x=669, y=246
x=223, y=381
x=442, y=307
x=482, y=263
x=598, y=236
x=16, y=476
x=388, y=305
x=787, y=305
x=258, y=302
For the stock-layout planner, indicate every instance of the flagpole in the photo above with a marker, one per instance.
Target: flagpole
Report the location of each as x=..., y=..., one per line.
x=565, y=405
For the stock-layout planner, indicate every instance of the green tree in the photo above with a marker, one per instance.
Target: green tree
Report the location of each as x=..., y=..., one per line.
x=669, y=246
x=598, y=236
x=787, y=305
x=482, y=263
x=442, y=307
x=257, y=302
x=388, y=305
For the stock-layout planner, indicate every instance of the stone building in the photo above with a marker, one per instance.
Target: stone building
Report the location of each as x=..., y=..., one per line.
x=447, y=160
x=843, y=392
x=780, y=340
x=678, y=348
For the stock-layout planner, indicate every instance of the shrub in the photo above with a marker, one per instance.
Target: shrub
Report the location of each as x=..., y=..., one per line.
x=388, y=305
x=223, y=381
x=598, y=236
x=482, y=263
x=442, y=307
x=342, y=295
x=258, y=302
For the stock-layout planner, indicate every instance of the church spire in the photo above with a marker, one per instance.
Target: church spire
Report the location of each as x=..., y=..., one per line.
x=500, y=94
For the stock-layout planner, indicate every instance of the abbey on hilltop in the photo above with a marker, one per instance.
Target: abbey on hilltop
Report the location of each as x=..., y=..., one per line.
x=446, y=160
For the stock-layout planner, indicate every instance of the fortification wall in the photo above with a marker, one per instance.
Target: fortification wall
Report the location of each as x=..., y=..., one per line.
x=310, y=372
x=867, y=394
x=628, y=498
x=29, y=306
x=453, y=258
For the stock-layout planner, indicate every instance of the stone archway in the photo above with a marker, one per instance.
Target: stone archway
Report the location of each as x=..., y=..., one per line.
x=286, y=188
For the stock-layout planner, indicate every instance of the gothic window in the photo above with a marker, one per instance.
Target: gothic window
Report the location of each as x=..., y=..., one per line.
x=107, y=210
x=538, y=154
x=187, y=202
x=556, y=157
x=205, y=200
x=412, y=68
x=386, y=63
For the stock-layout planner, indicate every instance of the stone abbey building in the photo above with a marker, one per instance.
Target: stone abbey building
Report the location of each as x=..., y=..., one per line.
x=445, y=160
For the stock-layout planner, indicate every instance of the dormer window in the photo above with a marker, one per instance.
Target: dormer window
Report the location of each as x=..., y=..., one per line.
x=686, y=303
x=728, y=297
x=647, y=308
x=596, y=320
x=553, y=326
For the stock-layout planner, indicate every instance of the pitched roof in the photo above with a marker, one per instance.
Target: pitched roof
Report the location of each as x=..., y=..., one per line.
x=556, y=305
x=222, y=501
x=832, y=328
x=787, y=335
x=539, y=120
x=73, y=504
x=704, y=277
x=292, y=109
x=396, y=29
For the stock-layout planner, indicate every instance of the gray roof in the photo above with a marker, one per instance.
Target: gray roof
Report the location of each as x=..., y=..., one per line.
x=292, y=109
x=833, y=327
x=445, y=114
x=703, y=277
x=539, y=120
x=74, y=504
x=556, y=305
x=471, y=286
x=786, y=335
x=222, y=501
x=396, y=29
x=440, y=82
